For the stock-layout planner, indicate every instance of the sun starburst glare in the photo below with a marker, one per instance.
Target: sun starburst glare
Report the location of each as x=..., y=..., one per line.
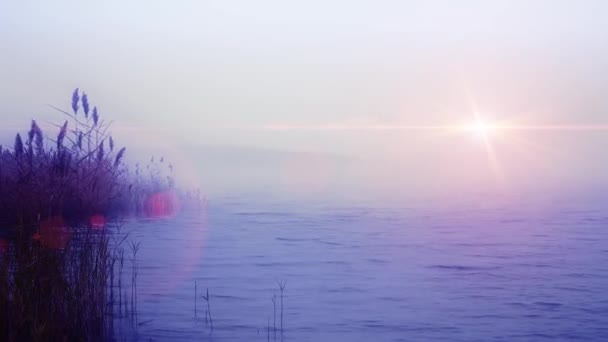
x=481, y=128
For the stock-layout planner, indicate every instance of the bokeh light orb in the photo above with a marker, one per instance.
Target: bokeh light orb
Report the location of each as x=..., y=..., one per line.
x=54, y=233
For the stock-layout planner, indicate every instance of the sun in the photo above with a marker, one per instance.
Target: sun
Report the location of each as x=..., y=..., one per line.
x=481, y=128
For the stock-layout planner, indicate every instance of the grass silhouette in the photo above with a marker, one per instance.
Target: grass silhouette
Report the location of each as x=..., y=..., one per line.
x=61, y=267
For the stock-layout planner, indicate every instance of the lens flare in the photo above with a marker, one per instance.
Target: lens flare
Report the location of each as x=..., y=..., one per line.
x=162, y=204
x=53, y=233
x=98, y=222
x=3, y=246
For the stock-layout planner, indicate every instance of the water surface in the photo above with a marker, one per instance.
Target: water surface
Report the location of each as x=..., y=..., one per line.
x=479, y=271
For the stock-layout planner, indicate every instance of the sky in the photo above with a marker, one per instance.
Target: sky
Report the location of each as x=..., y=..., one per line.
x=327, y=92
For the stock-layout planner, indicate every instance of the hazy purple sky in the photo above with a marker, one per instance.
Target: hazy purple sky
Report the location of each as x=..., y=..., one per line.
x=221, y=72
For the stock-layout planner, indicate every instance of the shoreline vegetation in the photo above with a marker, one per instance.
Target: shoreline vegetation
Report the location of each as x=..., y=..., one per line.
x=63, y=258
x=75, y=173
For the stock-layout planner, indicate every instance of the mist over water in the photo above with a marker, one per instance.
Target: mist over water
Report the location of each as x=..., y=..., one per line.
x=370, y=258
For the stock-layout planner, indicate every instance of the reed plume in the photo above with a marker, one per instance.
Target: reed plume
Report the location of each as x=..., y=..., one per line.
x=18, y=146
x=75, y=100
x=85, y=105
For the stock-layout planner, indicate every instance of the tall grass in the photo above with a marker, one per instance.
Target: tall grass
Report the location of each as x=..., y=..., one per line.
x=61, y=269
x=74, y=293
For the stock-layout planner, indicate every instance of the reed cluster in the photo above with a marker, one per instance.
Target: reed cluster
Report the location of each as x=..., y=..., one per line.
x=75, y=172
x=61, y=264
x=58, y=294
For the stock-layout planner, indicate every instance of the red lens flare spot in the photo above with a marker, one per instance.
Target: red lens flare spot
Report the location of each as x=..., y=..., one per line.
x=98, y=222
x=162, y=204
x=54, y=233
x=3, y=246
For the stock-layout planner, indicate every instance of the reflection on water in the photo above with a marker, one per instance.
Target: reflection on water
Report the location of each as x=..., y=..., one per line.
x=509, y=272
